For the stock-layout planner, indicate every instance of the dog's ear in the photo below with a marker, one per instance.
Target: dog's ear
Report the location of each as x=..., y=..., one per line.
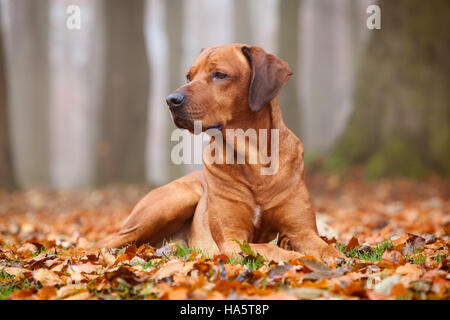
x=269, y=75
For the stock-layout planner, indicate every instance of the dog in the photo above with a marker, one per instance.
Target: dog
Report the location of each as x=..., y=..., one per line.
x=232, y=87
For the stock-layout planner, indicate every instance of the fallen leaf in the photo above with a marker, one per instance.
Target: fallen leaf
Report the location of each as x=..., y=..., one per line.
x=398, y=290
x=47, y=293
x=47, y=277
x=379, y=296
x=26, y=250
x=409, y=269
x=352, y=244
x=15, y=271
x=83, y=243
x=447, y=228
x=414, y=242
x=24, y=294
x=178, y=293
x=79, y=296
x=106, y=259
x=131, y=251
x=165, y=251
x=244, y=275
x=393, y=257
x=68, y=290
x=307, y=293
x=222, y=272
x=321, y=270
x=169, y=269
x=385, y=286
x=85, y=267
x=400, y=240
x=278, y=271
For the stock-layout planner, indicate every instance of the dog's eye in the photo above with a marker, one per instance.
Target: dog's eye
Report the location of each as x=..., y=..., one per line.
x=219, y=75
x=188, y=77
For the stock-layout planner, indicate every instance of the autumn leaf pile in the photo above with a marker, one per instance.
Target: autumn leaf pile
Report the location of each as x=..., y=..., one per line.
x=395, y=234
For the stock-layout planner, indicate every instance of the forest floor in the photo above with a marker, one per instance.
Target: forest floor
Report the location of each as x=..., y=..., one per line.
x=395, y=233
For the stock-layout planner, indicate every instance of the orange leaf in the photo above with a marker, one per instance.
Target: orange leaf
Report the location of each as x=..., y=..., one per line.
x=353, y=243
x=178, y=293
x=22, y=294
x=47, y=277
x=409, y=269
x=131, y=251
x=399, y=290
x=378, y=296
x=47, y=293
x=393, y=256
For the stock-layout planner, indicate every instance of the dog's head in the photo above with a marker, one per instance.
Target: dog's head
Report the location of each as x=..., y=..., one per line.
x=227, y=84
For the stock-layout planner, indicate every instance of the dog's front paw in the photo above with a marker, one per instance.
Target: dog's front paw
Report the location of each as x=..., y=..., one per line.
x=328, y=251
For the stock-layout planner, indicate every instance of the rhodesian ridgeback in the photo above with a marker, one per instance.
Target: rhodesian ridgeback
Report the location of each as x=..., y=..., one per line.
x=233, y=87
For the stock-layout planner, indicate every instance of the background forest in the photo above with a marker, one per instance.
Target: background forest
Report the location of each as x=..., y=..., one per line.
x=86, y=107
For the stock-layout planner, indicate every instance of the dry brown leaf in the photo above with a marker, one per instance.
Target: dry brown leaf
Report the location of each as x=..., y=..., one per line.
x=401, y=240
x=85, y=267
x=352, y=244
x=14, y=271
x=393, y=256
x=399, y=290
x=26, y=250
x=47, y=277
x=379, y=296
x=169, y=269
x=278, y=271
x=178, y=293
x=83, y=243
x=47, y=293
x=70, y=289
x=130, y=251
x=24, y=294
x=106, y=259
x=409, y=269
x=79, y=296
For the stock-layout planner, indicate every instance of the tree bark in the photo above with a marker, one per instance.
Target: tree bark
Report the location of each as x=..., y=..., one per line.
x=174, y=29
x=288, y=37
x=123, y=115
x=7, y=178
x=242, y=22
x=28, y=92
x=400, y=124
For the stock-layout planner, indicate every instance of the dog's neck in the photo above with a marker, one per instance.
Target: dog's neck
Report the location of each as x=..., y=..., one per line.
x=268, y=120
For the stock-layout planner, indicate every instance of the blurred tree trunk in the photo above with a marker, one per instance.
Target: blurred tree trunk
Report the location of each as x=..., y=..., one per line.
x=7, y=180
x=242, y=19
x=288, y=37
x=400, y=124
x=174, y=29
x=123, y=115
x=28, y=92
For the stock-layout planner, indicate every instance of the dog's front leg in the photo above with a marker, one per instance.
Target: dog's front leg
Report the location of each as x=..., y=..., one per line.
x=296, y=219
x=232, y=221
x=161, y=213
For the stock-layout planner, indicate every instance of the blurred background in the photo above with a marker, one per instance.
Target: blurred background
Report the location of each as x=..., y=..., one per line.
x=86, y=107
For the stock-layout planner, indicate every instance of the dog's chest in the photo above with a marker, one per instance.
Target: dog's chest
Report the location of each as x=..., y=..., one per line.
x=257, y=216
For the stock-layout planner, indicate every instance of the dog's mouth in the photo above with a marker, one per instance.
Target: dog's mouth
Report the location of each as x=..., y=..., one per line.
x=218, y=126
x=188, y=124
x=183, y=123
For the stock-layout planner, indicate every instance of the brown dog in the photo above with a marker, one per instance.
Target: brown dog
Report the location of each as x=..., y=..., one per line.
x=233, y=87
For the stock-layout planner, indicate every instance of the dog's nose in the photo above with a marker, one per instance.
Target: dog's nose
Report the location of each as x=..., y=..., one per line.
x=175, y=99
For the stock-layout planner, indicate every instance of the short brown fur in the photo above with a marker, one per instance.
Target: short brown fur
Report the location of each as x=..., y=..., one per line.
x=210, y=208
